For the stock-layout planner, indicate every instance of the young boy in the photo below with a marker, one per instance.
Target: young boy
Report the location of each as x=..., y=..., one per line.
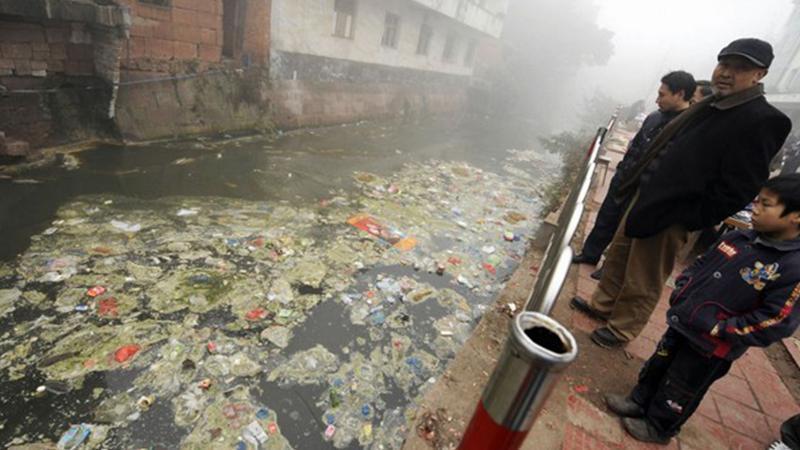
x=740, y=294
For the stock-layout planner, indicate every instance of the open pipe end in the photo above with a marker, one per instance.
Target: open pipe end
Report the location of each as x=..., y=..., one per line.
x=544, y=338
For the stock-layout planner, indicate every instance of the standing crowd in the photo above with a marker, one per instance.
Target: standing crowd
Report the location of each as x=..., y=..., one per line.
x=702, y=157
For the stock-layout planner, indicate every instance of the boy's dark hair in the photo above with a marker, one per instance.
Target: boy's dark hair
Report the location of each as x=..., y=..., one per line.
x=787, y=187
x=705, y=87
x=680, y=81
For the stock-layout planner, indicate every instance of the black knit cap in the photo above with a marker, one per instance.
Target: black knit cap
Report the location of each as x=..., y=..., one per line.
x=755, y=50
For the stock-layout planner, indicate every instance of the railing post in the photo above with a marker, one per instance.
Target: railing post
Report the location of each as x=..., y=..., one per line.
x=538, y=348
x=536, y=353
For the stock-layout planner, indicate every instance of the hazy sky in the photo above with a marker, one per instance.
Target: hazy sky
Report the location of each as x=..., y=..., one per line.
x=653, y=37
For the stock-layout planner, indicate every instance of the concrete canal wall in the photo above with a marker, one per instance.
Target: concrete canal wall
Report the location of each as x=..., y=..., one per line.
x=151, y=69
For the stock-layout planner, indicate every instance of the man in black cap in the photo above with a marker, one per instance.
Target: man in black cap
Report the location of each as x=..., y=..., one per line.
x=705, y=165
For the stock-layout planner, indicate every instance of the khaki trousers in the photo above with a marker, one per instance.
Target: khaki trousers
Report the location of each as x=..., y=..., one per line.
x=634, y=274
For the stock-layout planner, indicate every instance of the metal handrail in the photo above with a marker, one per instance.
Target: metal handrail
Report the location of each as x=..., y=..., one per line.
x=558, y=254
x=538, y=349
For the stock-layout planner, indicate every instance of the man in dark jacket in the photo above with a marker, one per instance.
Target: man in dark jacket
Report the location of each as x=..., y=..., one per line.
x=742, y=293
x=674, y=94
x=705, y=165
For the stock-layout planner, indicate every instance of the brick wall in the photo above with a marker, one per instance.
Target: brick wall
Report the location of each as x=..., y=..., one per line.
x=161, y=37
x=47, y=66
x=257, y=31
x=187, y=38
x=188, y=35
x=42, y=49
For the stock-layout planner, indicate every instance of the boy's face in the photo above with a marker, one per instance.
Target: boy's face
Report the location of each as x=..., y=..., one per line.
x=768, y=216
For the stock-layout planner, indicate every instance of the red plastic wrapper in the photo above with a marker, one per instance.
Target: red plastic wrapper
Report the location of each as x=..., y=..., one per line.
x=256, y=314
x=107, y=307
x=96, y=291
x=126, y=352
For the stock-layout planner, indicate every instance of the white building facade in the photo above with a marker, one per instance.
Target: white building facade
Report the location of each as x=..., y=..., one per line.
x=783, y=83
x=380, y=40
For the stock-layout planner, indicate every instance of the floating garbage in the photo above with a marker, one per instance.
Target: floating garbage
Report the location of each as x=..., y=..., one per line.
x=182, y=161
x=391, y=235
x=25, y=181
x=222, y=309
x=126, y=227
x=96, y=291
x=255, y=434
x=145, y=402
x=184, y=212
x=125, y=353
x=74, y=437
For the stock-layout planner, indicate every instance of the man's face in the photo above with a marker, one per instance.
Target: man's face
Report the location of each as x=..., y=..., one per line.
x=698, y=94
x=735, y=74
x=668, y=100
x=768, y=215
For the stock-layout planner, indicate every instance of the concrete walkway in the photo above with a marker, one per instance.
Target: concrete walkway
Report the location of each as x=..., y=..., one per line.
x=743, y=410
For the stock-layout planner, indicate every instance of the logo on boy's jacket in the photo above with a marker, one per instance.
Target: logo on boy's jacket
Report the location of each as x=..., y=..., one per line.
x=727, y=249
x=675, y=406
x=760, y=274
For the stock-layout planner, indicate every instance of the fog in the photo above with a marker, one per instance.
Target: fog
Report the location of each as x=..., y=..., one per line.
x=652, y=38
x=563, y=53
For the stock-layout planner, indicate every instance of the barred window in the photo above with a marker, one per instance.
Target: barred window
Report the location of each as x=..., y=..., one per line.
x=450, y=44
x=469, y=56
x=425, y=36
x=344, y=13
x=391, y=30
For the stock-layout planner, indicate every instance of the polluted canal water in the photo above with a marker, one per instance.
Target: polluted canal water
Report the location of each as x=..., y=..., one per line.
x=300, y=292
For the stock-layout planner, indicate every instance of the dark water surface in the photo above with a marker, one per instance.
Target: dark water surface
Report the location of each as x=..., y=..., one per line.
x=297, y=168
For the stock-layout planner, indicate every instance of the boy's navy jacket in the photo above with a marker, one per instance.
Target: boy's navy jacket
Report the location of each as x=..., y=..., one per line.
x=747, y=284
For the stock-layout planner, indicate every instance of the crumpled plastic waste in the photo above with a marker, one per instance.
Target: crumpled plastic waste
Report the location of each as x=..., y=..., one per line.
x=208, y=305
x=74, y=437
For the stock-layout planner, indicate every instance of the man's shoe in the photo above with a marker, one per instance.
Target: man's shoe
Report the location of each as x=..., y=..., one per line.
x=584, y=307
x=642, y=431
x=597, y=274
x=622, y=405
x=606, y=339
x=580, y=258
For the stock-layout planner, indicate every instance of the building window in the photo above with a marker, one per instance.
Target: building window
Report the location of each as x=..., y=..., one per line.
x=461, y=9
x=232, y=28
x=164, y=3
x=450, y=44
x=469, y=56
x=425, y=36
x=391, y=29
x=344, y=18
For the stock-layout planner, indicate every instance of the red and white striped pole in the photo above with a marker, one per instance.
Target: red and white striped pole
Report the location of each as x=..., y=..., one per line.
x=537, y=352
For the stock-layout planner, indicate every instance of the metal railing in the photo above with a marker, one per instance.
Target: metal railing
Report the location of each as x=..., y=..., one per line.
x=538, y=348
x=558, y=255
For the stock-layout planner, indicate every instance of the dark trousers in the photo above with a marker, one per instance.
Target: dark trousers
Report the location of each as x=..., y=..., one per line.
x=608, y=218
x=673, y=382
x=790, y=432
